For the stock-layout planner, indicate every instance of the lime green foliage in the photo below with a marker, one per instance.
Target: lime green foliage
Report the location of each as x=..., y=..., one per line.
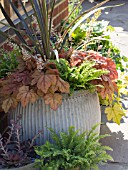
x=111, y=51
x=114, y=110
x=115, y=113
x=79, y=77
x=8, y=61
x=71, y=7
x=71, y=150
x=78, y=35
x=90, y=29
x=96, y=36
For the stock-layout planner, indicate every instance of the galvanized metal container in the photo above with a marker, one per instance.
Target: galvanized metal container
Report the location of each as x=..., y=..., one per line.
x=81, y=109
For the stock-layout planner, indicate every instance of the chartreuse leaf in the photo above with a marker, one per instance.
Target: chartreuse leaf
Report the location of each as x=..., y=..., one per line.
x=115, y=113
x=79, y=77
x=78, y=34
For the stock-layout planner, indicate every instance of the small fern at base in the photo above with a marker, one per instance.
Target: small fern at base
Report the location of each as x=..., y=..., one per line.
x=71, y=150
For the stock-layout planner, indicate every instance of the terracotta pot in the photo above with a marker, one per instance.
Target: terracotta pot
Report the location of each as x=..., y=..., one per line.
x=27, y=167
x=82, y=110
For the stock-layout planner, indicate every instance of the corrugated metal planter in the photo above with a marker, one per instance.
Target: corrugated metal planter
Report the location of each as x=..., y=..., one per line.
x=27, y=167
x=81, y=110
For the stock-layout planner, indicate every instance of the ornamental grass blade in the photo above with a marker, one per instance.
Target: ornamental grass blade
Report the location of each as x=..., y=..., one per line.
x=88, y=15
x=29, y=33
x=44, y=12
x=33, y=31
x=20, y=31
x=4, y=34
x=8, y=37
x=12, y=40
x=65, y=35
x=76, y=7
x=83, y=17
x=12, y=24
x=41, y=23
x=25, y=11
x=51, y=16
x=87, y=11
x=28, y=18
x=21, y=19
x=41, y=15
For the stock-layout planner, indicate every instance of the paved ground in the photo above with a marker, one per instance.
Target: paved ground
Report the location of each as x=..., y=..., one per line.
x=118, y=17
x=118, y=140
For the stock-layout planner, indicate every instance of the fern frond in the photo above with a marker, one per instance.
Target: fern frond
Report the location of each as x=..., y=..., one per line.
x=55, y=137
x=72, y=136
x=64, y=140
x=93, y=129
x=72, y=150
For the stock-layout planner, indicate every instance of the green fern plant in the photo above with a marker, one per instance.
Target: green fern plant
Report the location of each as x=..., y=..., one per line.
x=72, y=150
x=79, y=77
x=8, y=61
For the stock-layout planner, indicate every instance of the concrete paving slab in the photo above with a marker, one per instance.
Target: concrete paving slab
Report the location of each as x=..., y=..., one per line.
x=118, y=141
x=118, y=18
x=114, y=166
